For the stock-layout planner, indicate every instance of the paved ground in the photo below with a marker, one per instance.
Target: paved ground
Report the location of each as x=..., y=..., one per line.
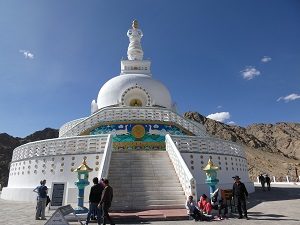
x=279, y=206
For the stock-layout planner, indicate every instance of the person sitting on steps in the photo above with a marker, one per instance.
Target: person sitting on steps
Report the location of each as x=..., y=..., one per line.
x=204, y=204
x=192, y=209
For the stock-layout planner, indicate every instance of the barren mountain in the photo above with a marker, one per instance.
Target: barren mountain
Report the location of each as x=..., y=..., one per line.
x=270, y=148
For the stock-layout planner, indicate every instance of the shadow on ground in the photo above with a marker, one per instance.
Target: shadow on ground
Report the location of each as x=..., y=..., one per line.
x=275, y=194
x=269, y=217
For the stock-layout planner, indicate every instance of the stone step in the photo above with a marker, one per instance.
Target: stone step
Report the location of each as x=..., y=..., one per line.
x=144, y=165
x=151, y=181
x=138, y=172
x=150, y=204
x=146, y=207
x=150, y=194
x=127, y=198
x=133, y=169
x=141, y=157
x=144, y=186
x=164, y=170
x=147, y=181
x=142, y=174
x=144, y=180
x=135, y=188
x=139, y=153
x=136, y=202
x=128, y=164
x=125, y=190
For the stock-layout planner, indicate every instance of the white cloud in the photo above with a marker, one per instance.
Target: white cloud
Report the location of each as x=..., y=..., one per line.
x=231, y=123
x=219, y=107
x=289, y=98
x=27, y=54
x=266, y=59
x=219, y=116
x=250, y=72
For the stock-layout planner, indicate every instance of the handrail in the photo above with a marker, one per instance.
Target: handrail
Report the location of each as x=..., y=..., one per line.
x=208, y=145
x=60, y=146
x=105, y=161
x=69, y=125
x=133, y=114
x=186, y=178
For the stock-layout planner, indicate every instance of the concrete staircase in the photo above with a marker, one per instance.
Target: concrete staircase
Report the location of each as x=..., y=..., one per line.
x=144, y=180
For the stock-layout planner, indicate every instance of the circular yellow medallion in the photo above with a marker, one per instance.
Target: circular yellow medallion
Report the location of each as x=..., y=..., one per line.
x=138, y=131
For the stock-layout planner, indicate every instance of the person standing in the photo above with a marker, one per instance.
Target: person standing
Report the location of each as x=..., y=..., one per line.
x=262, y=181
x=268, y=181
x=42, y=191
x=240, y=193
x=94, y=200
x=105, y=202
x=36, y=190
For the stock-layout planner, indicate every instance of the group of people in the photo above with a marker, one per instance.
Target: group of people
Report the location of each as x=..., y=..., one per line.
x=100, y=200
x=201, y=211
x=265, y=179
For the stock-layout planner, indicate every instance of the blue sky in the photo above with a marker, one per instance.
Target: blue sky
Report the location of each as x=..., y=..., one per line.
x=238, y=58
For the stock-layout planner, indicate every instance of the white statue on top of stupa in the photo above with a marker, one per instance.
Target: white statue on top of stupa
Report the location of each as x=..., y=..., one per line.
x=135, y=35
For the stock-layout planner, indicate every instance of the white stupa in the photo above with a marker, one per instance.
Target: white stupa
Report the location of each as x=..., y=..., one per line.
x=135, y=138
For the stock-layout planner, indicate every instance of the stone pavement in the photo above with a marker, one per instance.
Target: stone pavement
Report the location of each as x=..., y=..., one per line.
x=279, y=206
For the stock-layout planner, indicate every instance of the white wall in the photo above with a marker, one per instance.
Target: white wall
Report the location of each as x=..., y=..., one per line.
x=25, y=175
x=229, y=167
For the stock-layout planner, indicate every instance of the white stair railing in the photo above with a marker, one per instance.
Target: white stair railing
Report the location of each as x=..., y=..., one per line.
x=186, y=178
x=105, y=162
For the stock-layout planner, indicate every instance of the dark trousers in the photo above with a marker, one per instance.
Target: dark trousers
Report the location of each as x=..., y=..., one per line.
x=196, y=214
x=263, y=186
x=106, y=216
x=269, y=186
x=241, y=205
x=97, y=212
x=220, y=207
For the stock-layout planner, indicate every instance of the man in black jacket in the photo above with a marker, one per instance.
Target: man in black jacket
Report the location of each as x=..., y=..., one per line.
x=240, y=193
x=105, y=203
x=94, y=199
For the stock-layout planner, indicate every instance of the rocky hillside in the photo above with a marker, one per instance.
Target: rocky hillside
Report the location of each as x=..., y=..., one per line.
x=271, y=148
x=9, y=143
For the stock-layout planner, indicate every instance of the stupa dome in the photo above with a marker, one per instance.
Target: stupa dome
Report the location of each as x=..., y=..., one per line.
x=134, y=90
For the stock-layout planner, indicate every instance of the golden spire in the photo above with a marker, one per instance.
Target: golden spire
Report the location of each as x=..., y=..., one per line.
x=135, y=24
x=83, y=166
x=210, y=166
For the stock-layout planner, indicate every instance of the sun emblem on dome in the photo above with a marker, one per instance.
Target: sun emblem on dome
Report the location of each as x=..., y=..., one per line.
x=136, y=102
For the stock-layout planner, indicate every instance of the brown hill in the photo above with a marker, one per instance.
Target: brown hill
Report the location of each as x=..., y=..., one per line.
x=9, y=143
x=270, y=148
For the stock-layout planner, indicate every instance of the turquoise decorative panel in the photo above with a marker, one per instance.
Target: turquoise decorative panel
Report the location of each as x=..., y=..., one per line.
x=138, y=132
